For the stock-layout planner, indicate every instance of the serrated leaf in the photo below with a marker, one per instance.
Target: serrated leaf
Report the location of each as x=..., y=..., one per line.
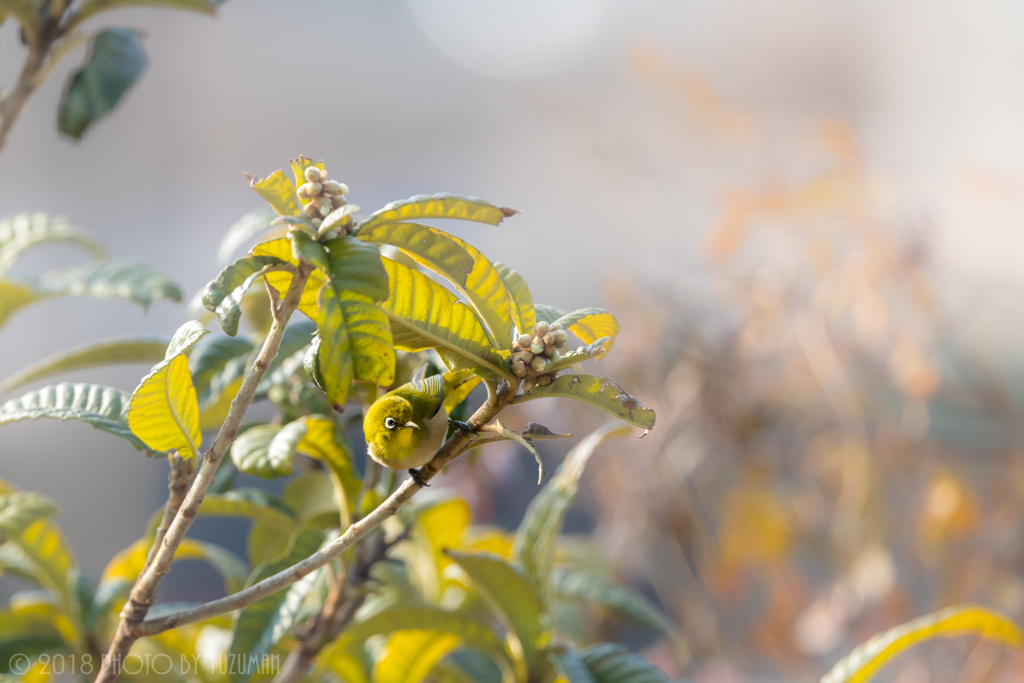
x=164, y=411
x=465, y=267
x=511, y=597
x=594, y=350
x=548, y=314
x=278, y=191
x=245, y=230
x=425, y=315
x=251, y=453
x=522, y=311
x=224, y=295
x=608, y=663
x=96, y=354
x=129, y=563
x=408, y=656
x=594, y=588
x=862, y=664
x=102, y=407
x=93, y=7
x=256, y=629
x=598, y=392
x=591, y=324
x=438, y=206
x=116, y=60
x=20, y=233
x=282, y=248
x=534, y=547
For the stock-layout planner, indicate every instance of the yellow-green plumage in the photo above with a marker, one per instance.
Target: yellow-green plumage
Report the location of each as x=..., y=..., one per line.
x=405, y=427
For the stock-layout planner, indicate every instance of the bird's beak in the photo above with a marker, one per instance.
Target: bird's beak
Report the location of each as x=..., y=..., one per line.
x=410, y=425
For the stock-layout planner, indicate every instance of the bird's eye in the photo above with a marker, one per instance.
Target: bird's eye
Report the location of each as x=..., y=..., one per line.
x=390, y=423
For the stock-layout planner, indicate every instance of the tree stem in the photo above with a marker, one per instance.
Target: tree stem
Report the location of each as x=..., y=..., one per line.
x=39, y=46
x=141, y=597
x=498, y=398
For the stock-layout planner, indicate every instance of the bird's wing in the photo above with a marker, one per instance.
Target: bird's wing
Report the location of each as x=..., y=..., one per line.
x=432, y=389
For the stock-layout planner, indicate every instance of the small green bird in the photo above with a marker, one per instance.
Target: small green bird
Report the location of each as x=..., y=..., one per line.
x=405, y=427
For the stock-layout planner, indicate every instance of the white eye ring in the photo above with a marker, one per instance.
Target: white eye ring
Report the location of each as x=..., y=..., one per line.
x=390, y=423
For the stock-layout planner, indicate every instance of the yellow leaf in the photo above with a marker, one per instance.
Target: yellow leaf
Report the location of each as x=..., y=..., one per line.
x=164, y=411
x=437, y=529
x=865, y=661
x=282, y=249
x=438, y=206
x=591, y=324
x=321, y=442
x=457, y=395
x=489, y=540
x=300, y=165
x=278, y=191
x=215, y=414
x=409, y=656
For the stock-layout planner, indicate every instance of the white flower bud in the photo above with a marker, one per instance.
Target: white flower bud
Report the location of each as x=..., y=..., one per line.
x=303, y=194
x=332, y=187
x=314, y=175
x=561, y=337
x=311, y=189
x=537, y=347
x=538, y=364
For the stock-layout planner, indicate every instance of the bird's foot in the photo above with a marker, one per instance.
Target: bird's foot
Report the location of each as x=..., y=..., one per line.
x=418, y=478
x=464, y=428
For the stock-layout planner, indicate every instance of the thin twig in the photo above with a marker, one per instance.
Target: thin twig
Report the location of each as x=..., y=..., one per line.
x=141, y=597
x=177, y=486
x=498, y=398
x=40, y=38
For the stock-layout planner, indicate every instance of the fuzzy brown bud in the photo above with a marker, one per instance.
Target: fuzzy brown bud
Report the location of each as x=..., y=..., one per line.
x=538, y=364
x=524, y=341
x=314, y=175
x=529, y=383
x=537, y=347
x=519, y=368
x=561, y=337
x=540, y=329
x=311, y=189
x=526, y=355
x=332, y=187
x=549, y=338
x=556, y=326
x=544, y=380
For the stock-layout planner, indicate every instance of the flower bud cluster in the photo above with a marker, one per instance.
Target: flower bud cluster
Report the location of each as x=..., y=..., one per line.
x=320, y=196
x=533, y=352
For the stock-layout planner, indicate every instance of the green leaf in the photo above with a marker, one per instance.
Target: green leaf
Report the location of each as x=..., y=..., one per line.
x=591, y=324
x=92, y=7
x=253, y=504
x=594, y=588
x=595, y=350
x=438, y=206
x=20, y=509
x=438, y=528
x=27, y=635
x=297, y=338
x=318, y=437
x=20, y=233
x=469, y=270
x=14, y=295
x=251, y=453
x=278, y=191
x=256, y=628
x=311, y=365
x=223, y=296
x=598, y=392
x=571, y=667
x=102, y=407
x=537, y=535
x=425, y=315
x=609, y=663
x=409, y=656
x=129, y=563
x=308, y=249
x=312, y=496
x=106, y=352
x=216, y=363
x=547, y=313
x=244, y=231
x=473, y=633
x=511, y=597
x=116, y=60
x=112, y=280
x=355, y=267
x=522, y=311
x=865, y=661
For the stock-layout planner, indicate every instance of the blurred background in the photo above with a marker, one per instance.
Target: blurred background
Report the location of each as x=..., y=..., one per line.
x=806, y=215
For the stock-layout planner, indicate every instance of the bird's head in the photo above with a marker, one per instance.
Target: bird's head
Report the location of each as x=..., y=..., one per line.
x=389, y=421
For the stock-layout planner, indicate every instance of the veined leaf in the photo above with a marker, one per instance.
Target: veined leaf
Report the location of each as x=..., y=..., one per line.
x=224, y=295
x=164, y=411
x=304, y=247
x=548, y=314
x=102, y=407
x=425, y=315
x=511, y=597
x=438, y=206
x=534, y=547
x=594, y=350
x=245, y=230
x=334, y=350
x=93, y=7
x=256, y=629
x=20, y=509
x=129, y=563
x=594, y=588
x=522, y=311
x=408, y=656
x=591, y=324
x=465, y=267
x=356, y=267
x=106, y=352
x=473, y=633
x=282, y=248
x=116, y=61
x=460, y=393
x=865, y=661
x=278, y=191
x=599, y=392
x=251, y=453
x=22, y=232
x=609, y=663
